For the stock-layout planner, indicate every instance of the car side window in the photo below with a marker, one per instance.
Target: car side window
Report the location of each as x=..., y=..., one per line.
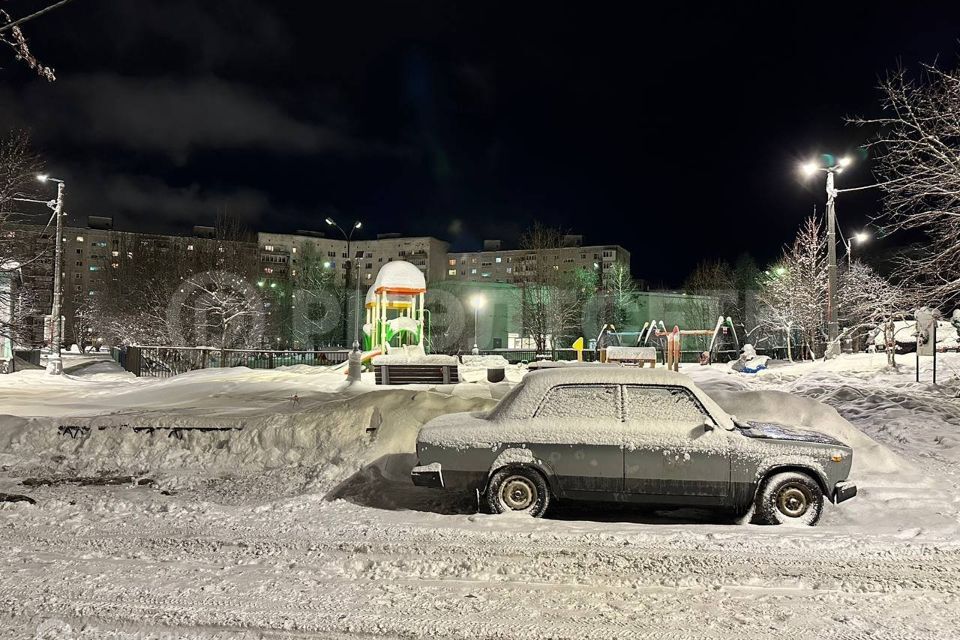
x=662, y=404
x=590, y=401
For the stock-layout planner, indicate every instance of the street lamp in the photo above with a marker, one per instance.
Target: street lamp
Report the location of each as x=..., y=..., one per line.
x=476, y=301
x=354, y=359
x=55, y=361
x=809, y=169
x=859, y=238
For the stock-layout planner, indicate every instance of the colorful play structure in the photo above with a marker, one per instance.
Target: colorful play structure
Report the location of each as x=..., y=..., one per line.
x=669, y=342
x=394, y=308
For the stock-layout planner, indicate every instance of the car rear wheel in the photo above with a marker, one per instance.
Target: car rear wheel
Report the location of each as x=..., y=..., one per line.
x=790, y=498
x=518, y=489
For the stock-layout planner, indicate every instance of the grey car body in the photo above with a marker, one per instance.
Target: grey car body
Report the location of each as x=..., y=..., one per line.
x=625, y=434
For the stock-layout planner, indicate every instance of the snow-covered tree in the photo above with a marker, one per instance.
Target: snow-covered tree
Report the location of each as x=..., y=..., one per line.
x=218, y=308
x=19, y=166
x=916, y=156
x=869, y=303
x=793, y=292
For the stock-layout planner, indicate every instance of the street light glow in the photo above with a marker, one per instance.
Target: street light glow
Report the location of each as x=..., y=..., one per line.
x=845, y=161
x=329, y=221
x=809, y=168
x=477, y=301
x=357, y=224
x=42, y=177
x=861, y=237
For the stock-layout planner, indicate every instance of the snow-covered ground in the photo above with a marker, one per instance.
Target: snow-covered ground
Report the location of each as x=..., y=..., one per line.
x=293, y=516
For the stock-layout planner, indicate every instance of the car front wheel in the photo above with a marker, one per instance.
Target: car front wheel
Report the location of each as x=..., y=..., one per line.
x=518, y=489
x=790, y=498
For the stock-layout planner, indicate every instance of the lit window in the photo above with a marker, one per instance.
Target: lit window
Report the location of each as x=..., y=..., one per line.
x=369, y=275
x=473, y=272
x=268, y=247
x=189, y=247
x=509, y=269
x=498, y=260
x=293, y=250
x=79, y=238
x=116, y=254
x=484, y=275
x=268, y=269
x=115, y=265
x=94, y=268
x=91, y=293
x=326, y=265
x=451, y=272
x=452, y=262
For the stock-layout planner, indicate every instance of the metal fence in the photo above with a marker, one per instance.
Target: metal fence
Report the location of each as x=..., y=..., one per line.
x=162, y=362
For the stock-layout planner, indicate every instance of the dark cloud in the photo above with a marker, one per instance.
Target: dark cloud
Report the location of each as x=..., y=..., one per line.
x=171, y=116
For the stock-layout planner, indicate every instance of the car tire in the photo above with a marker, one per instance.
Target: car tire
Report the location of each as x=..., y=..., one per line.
x=790, y=498
x=518, y=489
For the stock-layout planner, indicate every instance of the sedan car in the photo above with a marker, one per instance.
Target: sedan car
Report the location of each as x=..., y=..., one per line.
x=634, y=435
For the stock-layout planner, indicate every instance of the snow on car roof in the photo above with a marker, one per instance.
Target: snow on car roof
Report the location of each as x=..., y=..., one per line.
x=536, y=384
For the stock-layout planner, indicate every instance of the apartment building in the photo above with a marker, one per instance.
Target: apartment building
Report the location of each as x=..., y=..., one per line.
x=93, y=254
x=283, y=255
x=495, y=264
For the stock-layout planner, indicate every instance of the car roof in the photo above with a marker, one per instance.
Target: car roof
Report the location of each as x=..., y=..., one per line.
x=537, y=383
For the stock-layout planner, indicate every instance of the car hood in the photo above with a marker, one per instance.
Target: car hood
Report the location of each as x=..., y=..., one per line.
x=774, y=431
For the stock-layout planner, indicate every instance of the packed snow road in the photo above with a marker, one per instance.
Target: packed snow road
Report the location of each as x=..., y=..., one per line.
x=302, y=522
x=125, y=559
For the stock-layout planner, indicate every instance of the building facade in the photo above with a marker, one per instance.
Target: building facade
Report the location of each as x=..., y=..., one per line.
x=495, y=264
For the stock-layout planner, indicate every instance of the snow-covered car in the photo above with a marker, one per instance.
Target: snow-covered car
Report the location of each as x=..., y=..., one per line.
x=635, y=435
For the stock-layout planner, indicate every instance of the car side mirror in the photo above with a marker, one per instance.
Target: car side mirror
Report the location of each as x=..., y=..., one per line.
x=709, y=424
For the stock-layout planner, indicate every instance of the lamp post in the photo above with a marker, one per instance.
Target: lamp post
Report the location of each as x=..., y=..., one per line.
x=54, y=361
x=833, y=328
x=352, y=264
x=860, y=238
x=354, y=359
x=476, y=302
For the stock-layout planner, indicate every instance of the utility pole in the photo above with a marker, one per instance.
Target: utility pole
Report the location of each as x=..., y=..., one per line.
x=833, y=327
x=55, y=361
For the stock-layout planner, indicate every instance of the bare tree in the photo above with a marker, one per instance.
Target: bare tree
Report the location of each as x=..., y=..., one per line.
x=12, y=36
x=711, y=280
x=917, y=159
x=318, y=304
x=549, y=303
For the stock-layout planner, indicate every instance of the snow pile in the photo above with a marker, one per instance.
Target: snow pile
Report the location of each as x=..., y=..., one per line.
x=408, y=358
x=330, y=439
x=904, y=332
x=792, y=410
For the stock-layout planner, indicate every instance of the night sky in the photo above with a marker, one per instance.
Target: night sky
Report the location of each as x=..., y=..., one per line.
x=674, y=131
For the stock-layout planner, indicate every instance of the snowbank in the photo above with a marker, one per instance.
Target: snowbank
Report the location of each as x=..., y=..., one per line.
x=334, y=438
x=777, y=406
